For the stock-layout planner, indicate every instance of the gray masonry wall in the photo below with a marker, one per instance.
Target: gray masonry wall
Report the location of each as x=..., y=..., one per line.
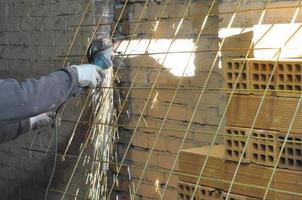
x=34, y=35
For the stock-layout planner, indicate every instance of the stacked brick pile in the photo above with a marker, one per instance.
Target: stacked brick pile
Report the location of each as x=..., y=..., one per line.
x=266, y=137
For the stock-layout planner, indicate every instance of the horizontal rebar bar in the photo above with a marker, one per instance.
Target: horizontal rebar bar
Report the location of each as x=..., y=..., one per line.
x=209, y=89
x=182, y=52
x=128, y=126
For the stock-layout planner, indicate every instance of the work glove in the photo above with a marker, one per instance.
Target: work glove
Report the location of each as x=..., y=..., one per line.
x=99, y=57
x=42, y=121
x=89, y=75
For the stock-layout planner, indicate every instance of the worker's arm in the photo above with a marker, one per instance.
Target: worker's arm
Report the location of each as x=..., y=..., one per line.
x=23, y=100
x=10, y=131
x=21, y=104
x=13, y=130
x=28, y=101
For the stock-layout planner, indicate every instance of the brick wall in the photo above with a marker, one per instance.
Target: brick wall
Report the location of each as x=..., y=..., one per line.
x=34, y=34
x=207, y=115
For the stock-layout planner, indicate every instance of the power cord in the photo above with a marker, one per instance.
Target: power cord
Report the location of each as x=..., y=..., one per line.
x=55, y=127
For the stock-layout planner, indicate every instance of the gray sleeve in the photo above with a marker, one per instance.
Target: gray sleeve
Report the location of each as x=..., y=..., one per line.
x=23, y=100
x=11, y=131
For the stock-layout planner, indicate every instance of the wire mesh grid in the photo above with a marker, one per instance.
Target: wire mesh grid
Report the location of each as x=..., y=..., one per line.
x=186, y=78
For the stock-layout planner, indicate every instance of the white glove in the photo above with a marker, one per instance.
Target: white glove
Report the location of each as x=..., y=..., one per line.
x=42, y=120
x=89, y=75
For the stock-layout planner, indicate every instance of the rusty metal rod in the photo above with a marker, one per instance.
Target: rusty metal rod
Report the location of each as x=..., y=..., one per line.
x=131, y=127
x=182, y=52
